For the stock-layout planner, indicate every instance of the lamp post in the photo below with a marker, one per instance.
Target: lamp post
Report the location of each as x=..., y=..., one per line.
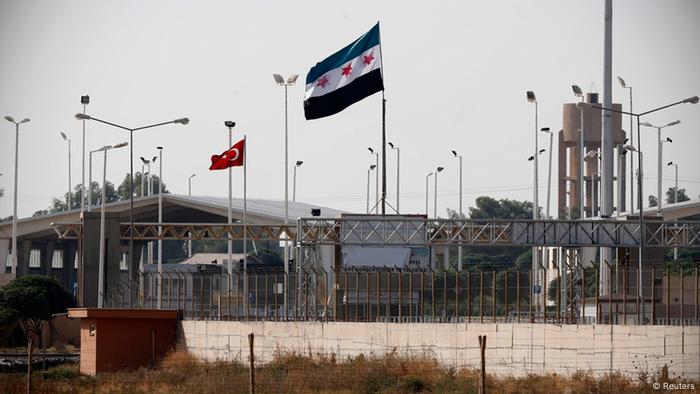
x=183, y=121
x=189, y=193
x=160, y=226
x=69, y=199
x=294, y=183
x=640, y=191
x=101, y=266
x=84, y=100
x=675, y=200
x=398, y=166
x=89, y=188
x=150, y=193
x=659, y=198
x=625, y=86
x=371, y=167
x=461, y=214
x=689, y=100
x=577, y=91
x=437, y=171
x=10, y=119
x=549, y=172
x=291, y=80
x=531, y=98
x=376, y=178
x=426, y=194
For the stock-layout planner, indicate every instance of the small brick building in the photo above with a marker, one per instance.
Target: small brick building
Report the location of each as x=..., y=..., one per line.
x=123, y=339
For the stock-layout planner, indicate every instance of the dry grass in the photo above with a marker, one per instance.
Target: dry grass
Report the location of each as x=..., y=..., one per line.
x=179, y=372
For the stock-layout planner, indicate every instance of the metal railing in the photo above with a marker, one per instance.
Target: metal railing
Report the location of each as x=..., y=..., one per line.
x=569, y=296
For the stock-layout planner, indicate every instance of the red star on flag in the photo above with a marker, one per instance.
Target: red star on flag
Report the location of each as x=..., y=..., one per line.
x=347, y=70
x=322, y=82
x=368, y=59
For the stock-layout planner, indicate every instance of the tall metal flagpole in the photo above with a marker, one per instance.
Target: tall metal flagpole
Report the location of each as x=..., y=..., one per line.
x=381, y=55
x=230, y=242
x=245, y=220
x=383, y=153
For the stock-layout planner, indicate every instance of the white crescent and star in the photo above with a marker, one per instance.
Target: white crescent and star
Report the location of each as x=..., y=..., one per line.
x=234, y=158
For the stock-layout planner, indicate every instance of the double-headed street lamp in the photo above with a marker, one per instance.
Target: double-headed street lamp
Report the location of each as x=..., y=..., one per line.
x=101, y=266
x=183, y=121
x=294, y=183
x=290, y=81
x=689, y=100
x=69, y=199
x=660, y=159
x=461, y=214
x=147, y=163
x=398, y=165
x=10, y=119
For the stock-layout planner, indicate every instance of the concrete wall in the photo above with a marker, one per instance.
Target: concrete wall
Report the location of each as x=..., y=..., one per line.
x=512, y=349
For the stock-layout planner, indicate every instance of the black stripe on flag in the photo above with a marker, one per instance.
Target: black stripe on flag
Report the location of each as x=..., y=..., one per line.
x=339, y=99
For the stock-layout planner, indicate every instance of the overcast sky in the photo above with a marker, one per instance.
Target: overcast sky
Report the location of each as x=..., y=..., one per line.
x=455, y=75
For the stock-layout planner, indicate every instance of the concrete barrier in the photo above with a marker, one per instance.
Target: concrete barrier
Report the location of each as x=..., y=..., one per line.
x=513, y=349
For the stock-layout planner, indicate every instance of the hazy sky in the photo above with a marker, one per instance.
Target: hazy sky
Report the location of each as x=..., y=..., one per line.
x=455, y=75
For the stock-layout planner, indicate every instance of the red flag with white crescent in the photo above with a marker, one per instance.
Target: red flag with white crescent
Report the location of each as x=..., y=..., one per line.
x=230, y=158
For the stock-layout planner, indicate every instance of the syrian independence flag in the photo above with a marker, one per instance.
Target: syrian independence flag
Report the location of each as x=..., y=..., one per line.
x=345, y=77
x=231, y=158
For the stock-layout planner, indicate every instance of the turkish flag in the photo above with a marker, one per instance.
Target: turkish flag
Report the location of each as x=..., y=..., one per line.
x=231, y=158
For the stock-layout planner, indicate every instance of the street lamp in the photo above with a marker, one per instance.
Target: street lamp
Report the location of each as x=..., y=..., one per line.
x=160, y=226
x=675, y=200
x=531, y=98
x=640, y=176
x=461, y=215
x=13, y=268
x=549, y=172
x=625, y=86
x=189, y=193
x=660, y=159
x=398, y=165
x=426, y=194
x=101, y=266
x=371, y=167
x=84, y=100
x=291, y=80
x=577, y=91
x=437, y=171
x=89, y=188
x=183, y=121
x=294, y=183
x=376, y=178
x=150, y=193
x=69, y=198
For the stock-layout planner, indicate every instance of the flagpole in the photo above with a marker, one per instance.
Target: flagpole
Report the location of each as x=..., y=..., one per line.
x=381, y=55
x=245, y=220
x=230, y=242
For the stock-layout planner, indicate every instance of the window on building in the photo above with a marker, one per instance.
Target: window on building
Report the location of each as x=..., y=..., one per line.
x=76, y=261
x=35, y=258
x=57, y=259
x=8, y=261
x=123, y=263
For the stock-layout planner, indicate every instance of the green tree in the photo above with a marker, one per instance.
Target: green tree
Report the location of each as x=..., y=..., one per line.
x=653, y=201
x=31, y=300
x=671, y=192
x=123, y=189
